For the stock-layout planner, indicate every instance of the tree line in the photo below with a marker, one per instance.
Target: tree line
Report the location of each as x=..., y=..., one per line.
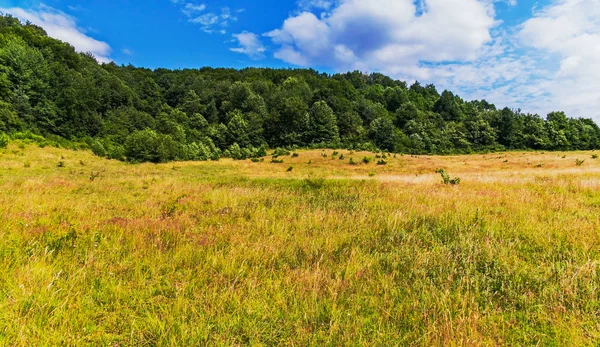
x=50, y=93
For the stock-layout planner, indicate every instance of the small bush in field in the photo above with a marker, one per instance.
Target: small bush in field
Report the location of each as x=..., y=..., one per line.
x=280, y=152
x=367, y=160
x=342, y=157
x=579, y=162
x=94, y=175
x=27, y=164
x=289, y=169
x=446, y=177
x=255, y=160
x=4, y=140
x=275, y=161
x=382, y=162
x=371, y=174
x=594, y=156
x=352, y=162
x=295, y=155
x=324, y=155
x=61, y=164
x=335, y=153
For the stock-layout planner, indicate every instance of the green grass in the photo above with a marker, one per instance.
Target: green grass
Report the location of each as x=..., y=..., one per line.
x=243, y=253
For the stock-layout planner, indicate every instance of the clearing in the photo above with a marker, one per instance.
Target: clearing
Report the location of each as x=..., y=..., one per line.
x=312, y=251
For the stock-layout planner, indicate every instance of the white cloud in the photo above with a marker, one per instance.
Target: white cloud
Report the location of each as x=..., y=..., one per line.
x=61, y=26
x=568, y=31
x=249, y=44
x=386, y=35
x=307, y=5
x=211, y=22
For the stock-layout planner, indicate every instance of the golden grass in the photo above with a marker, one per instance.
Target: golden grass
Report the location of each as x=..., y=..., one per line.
x=237, y=253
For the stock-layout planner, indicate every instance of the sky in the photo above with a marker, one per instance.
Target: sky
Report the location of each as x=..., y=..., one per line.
x=535, y=55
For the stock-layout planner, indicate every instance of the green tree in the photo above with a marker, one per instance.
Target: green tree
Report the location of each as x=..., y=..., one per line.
x=382, y=133
x=323, y=124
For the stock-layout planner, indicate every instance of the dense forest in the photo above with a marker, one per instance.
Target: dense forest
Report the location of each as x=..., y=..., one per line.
x=51, y=94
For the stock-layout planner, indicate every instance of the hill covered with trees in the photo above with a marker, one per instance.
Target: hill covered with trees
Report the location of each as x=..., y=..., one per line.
x=52, y=94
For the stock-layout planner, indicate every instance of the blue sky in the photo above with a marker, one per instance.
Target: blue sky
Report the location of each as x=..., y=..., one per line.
x=536, y=55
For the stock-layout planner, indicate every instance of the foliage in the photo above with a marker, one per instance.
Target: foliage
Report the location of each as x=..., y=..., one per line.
x=446, y=177
x=4, y=140
x=61, y=97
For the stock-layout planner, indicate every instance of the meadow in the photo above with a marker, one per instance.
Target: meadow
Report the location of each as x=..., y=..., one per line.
x=310, y=251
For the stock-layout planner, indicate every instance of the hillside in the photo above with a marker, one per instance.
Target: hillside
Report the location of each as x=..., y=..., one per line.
x=136, y=114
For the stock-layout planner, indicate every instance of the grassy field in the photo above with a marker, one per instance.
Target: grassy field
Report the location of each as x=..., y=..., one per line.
x=311, y=251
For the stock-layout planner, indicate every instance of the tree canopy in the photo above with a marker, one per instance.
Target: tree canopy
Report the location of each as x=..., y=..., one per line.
x=49, y=90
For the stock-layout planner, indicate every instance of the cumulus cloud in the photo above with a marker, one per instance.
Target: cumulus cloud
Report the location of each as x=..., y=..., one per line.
x=387, y=35
x=62, y=26
x=249, y=44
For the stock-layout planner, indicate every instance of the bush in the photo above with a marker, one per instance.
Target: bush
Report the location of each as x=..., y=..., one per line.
x=295, y=155
x=280, y=152
x=382, y=162
x=367, y=160
x=3, y=140
x=579, y=162
x=148, y=146
x=446, y=177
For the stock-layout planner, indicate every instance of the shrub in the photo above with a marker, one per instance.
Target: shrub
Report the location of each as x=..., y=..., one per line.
x=280, y=152
x=289, y=169
x=275, y=161
x=255, y=160
x=61, y=164
x=594, y=156
x=342, y=157
x=295, y=155
x=352, y=162
x=94, y=175
x=382, y=162
x=446, y=177
x=3, y=140
x=579, y=162
x=367, y=160
x=148, y=146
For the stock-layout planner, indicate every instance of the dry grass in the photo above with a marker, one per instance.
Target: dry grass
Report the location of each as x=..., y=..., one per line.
x=236, y=253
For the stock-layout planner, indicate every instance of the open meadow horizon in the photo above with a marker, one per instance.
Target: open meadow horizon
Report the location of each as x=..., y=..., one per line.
x=307, y=250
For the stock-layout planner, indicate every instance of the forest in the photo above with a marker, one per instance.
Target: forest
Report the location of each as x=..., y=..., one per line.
x=53, y=95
